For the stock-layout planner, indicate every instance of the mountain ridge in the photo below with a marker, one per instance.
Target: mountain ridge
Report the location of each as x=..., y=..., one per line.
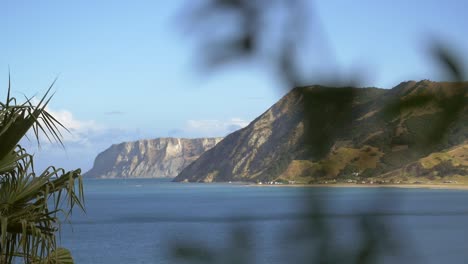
x=364, y=131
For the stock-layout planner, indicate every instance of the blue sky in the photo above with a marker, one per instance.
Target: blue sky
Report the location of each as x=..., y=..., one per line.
x=127, y=71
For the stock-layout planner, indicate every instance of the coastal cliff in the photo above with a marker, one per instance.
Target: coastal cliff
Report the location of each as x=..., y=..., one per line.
x=154, y=158
x=317, y=134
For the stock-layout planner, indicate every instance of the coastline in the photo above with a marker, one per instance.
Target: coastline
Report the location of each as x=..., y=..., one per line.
x=350, y=185
x=442, y=186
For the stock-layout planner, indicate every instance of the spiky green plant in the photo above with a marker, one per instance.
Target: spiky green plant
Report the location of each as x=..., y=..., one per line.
x=32, y=206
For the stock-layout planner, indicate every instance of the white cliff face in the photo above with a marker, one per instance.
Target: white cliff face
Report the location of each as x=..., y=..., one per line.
x=249, y=153
x=155, y=158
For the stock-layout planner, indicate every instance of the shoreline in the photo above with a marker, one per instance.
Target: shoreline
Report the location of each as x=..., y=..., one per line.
x=350, y=185
x=433, y=186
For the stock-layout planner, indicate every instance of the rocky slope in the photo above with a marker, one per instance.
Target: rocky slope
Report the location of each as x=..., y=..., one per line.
x=316, y=133
x=161, y=157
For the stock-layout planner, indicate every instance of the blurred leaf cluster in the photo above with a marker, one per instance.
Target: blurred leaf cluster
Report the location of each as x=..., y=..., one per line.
x=230, y=31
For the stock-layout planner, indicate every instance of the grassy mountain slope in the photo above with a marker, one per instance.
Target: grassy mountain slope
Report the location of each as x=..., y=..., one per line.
x=321, y=133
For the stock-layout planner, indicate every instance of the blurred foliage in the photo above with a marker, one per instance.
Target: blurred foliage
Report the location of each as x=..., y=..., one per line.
x=240, y=30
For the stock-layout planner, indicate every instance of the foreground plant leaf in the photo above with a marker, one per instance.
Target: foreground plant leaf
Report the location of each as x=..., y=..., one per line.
x=32, y=205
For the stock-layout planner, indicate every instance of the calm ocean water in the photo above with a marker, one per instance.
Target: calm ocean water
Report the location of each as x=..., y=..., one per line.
x=144, y=221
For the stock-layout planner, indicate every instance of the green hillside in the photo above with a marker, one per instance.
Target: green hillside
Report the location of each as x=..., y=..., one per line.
x=322, y=134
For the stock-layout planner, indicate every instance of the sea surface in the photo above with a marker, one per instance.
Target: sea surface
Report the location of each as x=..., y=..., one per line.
x=157, y=221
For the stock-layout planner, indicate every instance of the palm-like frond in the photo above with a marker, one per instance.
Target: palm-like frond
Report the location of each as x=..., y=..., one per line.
x=31, y=207
x=60, y=256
